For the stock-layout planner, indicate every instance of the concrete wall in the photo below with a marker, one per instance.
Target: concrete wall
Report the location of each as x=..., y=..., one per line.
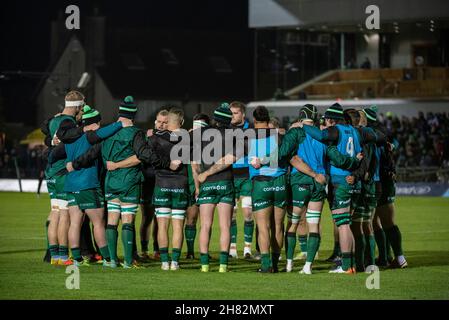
x=367, y=45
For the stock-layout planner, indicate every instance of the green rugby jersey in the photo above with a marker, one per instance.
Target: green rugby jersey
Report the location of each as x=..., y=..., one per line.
x=116, y=148
x=57, y=168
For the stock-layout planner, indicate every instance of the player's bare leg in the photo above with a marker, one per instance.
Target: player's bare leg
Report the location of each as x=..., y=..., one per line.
x=224, y=217
x=263, y=218
x=97, y=219
x=386, y=214
x=277, y=236
x=206, y=218
x=248, y=225
x=76, y=220
x=162, y=239
x=313, y=218
x=177, y=239
x=292, y=226
x=63, y=235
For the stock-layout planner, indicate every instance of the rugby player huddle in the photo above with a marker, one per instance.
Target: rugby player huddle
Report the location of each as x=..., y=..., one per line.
x=221, y=161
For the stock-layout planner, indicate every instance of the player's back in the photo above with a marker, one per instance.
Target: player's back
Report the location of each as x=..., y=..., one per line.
x=348, y=144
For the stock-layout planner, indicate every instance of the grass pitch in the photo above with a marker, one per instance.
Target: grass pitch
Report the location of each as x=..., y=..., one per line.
x=424, y=224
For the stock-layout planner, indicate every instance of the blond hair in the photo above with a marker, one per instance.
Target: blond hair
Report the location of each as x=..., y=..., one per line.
x=74, y=96
x=176, y=115
x=237, y=104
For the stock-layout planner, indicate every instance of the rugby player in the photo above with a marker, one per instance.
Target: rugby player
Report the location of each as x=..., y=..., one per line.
x=147, y=206
x=214, y=184
x=200, y=120
x=58, y=220
x=171, y=191
x=309, y=159
x=242, y=187
x=269, y=196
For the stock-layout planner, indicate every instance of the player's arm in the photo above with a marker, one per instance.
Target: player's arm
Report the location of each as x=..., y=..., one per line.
x=303, y=167
x=99, y=135
x=327, y=135
x=56, y=153
x=340, y=160
x=145, y=152
x=68, y=131
x=87, y=159
x=127, y=163
x=292, y=139
x=220, y=165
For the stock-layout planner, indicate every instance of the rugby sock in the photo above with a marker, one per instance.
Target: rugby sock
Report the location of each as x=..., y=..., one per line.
x=175, y=254
x=290, y=245
x=313, y=244
x=233, y=232
x=360, y=245
x=128, y=240
x=155, y=246
x=47, y=223
x=134, y=241
x=346, y=260
x=54, y=250
x=380, y=237
x=388, y=248
x=144, y=245
x=104, y=252
x=111, y=237
x=257, y=240
x=371, y=249
x=76, y=254
x=275, y=260
x=204, y=258
x=190, y=232
x=63, y=252
x=223, y=258
x=164, y=254
x=302, y=239
x=265, y=261
x=337, y=250
x=248, y=230
x=395, y=238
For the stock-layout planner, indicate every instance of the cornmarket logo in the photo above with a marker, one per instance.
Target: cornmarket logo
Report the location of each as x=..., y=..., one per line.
x=344, y=202
x=208, y=188
x=268, y=189
x=160, y=199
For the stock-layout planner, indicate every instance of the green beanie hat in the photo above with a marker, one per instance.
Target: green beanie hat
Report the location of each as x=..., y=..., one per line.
x=127, y=108
x=371, y=113
x=90, y=115
x=335, y=112
x=223, y=114
x=308, y=112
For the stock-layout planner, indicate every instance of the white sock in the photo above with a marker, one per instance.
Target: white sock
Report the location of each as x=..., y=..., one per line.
x=401, y=259
x=307, y=265
x=289, y=263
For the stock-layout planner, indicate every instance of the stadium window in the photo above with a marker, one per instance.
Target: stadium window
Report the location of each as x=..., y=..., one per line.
x=132, y=61
x=169, y=57
x=220, y=64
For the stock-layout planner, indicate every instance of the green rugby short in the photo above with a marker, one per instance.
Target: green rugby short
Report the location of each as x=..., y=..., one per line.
x=216, y=192
x=269, y=192
x=86, y=199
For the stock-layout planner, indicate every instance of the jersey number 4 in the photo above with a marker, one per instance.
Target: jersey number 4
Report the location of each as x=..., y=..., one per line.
x=350, y=146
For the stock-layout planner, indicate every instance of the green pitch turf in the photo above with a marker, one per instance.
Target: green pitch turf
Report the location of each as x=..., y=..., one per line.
x=424, y=223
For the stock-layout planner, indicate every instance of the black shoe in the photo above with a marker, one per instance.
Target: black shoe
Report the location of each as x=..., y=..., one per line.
x=190, y=256
x=381, y=263
x=269, y=270
x=47, y=257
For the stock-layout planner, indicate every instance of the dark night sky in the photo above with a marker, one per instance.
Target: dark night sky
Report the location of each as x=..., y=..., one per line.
x=25, y=30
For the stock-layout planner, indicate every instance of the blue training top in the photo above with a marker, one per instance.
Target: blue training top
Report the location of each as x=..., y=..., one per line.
x=85, y=178
x=243, y=161
x=265, y=147
x=313, y=153
x=348, y=144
